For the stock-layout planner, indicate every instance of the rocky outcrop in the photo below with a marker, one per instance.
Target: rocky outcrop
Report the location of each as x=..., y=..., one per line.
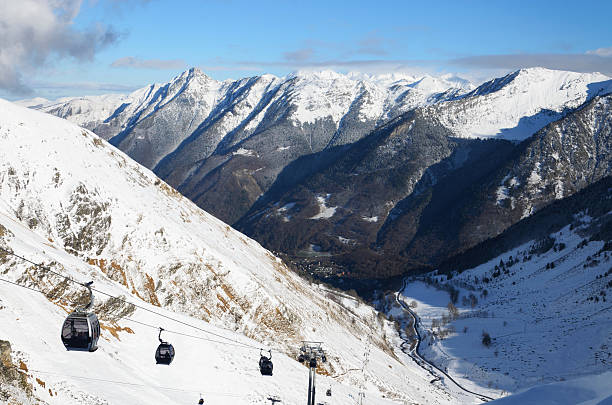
x=14, y=385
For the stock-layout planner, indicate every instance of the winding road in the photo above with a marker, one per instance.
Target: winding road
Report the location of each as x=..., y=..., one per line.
x=420, y=360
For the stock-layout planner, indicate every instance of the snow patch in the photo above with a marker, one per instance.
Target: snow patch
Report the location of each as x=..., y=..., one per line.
x=324, y=210
x=244, y=152
x=370, y=219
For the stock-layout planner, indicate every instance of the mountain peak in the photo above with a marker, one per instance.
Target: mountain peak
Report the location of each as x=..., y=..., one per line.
x=325, y=74
x=191, y=74
x=540, y=79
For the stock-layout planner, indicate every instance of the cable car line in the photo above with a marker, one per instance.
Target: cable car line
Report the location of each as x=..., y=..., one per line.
x=46, y=268
x=22, y=286
x=265, y=363
x=179, y=321
x=147, y=324
x=182, y=334
x=102, y=380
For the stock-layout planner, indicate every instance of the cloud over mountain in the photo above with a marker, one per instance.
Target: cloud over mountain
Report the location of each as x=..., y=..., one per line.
x=35, y=32
x=137, y=63
x=599, y=60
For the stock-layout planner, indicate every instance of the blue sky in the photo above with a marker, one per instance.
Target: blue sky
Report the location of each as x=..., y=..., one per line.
x=119, y=45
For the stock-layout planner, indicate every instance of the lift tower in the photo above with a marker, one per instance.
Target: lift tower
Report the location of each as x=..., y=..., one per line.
x=311, y=352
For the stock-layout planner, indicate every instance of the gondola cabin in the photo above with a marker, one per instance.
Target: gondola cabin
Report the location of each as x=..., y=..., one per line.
x=81, y=331
x=165, y=351
x=265, y=364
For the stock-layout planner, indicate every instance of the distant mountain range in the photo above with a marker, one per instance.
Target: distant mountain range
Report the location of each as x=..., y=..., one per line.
x=374, y=175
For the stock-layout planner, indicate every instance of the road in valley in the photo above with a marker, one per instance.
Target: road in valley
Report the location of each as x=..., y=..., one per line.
x=413, y=350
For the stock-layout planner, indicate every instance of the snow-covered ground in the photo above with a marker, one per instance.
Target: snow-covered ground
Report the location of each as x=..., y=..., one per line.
x=591, y=390
x=547, y=315
x=324, y=210
x=73, y=202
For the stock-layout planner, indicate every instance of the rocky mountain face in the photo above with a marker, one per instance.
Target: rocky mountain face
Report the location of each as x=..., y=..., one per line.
x=511, y=183
x=588, y=210
x=437, y=196
x=374, y=175
x=340, y=206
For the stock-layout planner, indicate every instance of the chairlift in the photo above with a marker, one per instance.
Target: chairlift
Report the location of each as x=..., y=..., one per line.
x=265, y=363
x=165, y=351
x=81, y=329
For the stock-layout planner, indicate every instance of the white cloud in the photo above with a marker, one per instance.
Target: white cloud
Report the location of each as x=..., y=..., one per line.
x=132, y=62
x=33, y=32
x=601, y=52
x=573, y=62
x=85, y=86
x=301, y=55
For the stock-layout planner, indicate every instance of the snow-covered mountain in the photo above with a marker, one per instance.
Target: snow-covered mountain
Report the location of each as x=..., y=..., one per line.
x=193, y=101
x=409, y=195
x=73, y=202
x=223, y=144
x=498, y=184
x=518, y=105
x=192, y=127
x=376, y=149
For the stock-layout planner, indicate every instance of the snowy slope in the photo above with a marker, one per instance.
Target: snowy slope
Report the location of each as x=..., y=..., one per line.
x=73, y=202
x=81, y=110
x=547, y=313
x=592, y=390
x=519, y=104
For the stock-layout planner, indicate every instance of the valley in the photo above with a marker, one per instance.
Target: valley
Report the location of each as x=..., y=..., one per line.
x=413, y=213
x=321, y=203
x=535, y=314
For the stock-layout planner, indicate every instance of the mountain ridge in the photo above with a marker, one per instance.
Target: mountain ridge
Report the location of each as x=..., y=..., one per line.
x=255, y=139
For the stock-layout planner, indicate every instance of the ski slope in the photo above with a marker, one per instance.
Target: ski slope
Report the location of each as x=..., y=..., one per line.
x=540, y=312
x=581, y=391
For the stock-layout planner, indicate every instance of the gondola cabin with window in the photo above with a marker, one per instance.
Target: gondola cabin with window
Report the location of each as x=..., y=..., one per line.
x=265, y=364
x=81, y=329
x=165, y=351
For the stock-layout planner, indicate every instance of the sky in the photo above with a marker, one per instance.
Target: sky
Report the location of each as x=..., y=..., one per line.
x=57, y=48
